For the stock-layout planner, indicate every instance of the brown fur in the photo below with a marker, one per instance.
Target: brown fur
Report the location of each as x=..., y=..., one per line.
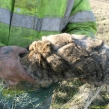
x=65, y=56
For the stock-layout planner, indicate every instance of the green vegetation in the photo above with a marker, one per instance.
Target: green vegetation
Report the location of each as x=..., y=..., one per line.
x=64, y=92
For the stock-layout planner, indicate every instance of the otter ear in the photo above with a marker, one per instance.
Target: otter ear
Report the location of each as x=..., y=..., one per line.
x=36, y=46
x=47, y=47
